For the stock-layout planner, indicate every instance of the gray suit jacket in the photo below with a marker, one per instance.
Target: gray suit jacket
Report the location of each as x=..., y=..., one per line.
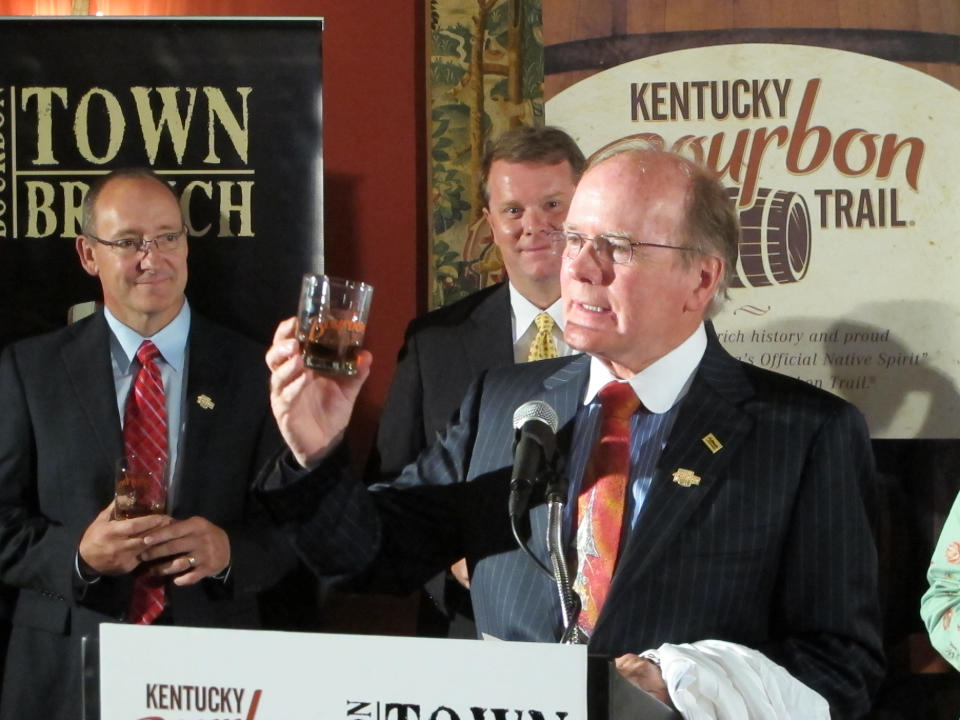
x=60, y=435
x=772, y=549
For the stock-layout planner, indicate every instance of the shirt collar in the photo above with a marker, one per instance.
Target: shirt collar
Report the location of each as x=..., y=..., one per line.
x=525, y=311
x=171, y=341
x=663, y=383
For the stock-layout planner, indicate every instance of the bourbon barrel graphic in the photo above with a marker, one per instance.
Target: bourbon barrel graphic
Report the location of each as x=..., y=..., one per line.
x=774, y=239
x=582, y=37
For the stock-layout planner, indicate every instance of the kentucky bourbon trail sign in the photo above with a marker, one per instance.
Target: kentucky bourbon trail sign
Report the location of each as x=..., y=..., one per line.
x=843, y=168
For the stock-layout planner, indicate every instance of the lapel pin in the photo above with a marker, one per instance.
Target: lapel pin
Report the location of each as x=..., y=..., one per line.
x=205, y=402
x=712, y=443
x=685, y=478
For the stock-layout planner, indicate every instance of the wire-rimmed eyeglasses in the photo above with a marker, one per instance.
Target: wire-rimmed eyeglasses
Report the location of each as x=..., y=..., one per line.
x=162, y=243
x=612, y=248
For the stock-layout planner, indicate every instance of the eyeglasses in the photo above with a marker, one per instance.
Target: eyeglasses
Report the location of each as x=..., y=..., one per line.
x=162, y=243
x=611, y=248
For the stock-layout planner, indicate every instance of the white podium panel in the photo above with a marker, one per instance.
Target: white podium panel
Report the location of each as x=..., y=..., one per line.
x=171, y=673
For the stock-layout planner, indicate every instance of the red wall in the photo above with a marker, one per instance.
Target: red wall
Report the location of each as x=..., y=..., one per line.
x=375, y=223
x=373, y=148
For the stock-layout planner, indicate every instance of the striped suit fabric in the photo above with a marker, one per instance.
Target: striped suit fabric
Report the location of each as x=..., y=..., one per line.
x=772, y=549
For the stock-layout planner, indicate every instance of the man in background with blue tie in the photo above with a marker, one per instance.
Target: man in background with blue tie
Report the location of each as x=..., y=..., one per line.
x=144, y=375
x=527, y=178
x=718, y=514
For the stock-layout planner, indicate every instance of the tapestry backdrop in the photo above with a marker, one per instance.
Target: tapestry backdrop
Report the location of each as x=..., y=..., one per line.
x=485, y=76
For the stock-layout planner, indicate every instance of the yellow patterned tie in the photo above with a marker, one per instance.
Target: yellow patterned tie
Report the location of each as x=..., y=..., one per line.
x=543, y=346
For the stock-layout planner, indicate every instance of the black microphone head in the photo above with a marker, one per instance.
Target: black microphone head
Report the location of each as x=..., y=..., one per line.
x=536, y=410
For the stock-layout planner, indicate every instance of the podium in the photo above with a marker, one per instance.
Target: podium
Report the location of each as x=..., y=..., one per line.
x=610, y=696
x=194, y=673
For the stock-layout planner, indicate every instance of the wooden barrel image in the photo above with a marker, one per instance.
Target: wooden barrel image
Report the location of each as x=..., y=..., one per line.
x=582, y=37
x=775, y=239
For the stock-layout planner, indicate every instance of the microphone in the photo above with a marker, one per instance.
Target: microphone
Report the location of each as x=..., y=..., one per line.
x=535, y=423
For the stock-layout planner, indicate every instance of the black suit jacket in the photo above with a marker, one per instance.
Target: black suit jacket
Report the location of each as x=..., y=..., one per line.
x=772, y=549
x=442, y=352
x=60, y=436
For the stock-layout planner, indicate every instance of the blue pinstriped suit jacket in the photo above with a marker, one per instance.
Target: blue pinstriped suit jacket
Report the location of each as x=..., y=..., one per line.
x=773, y=549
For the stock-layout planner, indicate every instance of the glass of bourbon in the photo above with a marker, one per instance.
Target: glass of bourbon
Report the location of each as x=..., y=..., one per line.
x=331, y=322
x=141, y=487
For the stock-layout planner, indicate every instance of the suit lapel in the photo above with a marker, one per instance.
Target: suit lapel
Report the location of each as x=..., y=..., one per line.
x=711, y=407
x=563, y=391
x=487, y=340
x=206, y=385
x=85, y=358
x=565, y=387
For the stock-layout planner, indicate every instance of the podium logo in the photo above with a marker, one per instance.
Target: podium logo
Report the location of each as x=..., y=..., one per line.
x=199, y=702
x=364, y=710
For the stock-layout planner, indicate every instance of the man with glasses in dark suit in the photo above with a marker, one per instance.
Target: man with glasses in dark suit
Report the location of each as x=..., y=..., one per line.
x=741, y=539
x=67, y=399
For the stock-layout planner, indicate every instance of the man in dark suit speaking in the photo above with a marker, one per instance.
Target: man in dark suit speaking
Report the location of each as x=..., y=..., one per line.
x=68, y=400
x=743, y=518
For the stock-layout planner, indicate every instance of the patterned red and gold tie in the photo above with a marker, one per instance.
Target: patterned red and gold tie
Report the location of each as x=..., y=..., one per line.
x=145, y=445
x=601, y=502
x=543, y=345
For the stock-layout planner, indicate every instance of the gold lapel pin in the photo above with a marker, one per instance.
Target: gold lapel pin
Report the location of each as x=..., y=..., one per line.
x=685, y=478
x=205, y=402
x=712, y=443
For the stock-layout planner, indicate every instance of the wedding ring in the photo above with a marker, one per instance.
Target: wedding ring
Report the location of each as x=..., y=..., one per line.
x=192, y=559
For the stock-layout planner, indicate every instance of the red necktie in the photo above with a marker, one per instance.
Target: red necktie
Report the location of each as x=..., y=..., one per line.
x=145, y=445
x=601, y=502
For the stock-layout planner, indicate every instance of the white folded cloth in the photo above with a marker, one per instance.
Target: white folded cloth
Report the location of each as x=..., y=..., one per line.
x=719, y=680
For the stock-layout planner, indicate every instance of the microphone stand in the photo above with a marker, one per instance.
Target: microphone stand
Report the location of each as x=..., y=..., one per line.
x=556, y=496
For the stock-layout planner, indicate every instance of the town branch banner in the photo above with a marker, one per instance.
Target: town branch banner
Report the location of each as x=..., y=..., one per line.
x=843, y=168
x=227, y=110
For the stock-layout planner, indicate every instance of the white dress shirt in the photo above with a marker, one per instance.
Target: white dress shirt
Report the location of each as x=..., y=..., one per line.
x=523, y=313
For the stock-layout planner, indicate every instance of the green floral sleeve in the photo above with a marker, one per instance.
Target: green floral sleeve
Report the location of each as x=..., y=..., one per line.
x=940, y=605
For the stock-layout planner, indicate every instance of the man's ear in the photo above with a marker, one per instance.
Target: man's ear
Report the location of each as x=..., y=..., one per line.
x=710, y=271
x=87, y=259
